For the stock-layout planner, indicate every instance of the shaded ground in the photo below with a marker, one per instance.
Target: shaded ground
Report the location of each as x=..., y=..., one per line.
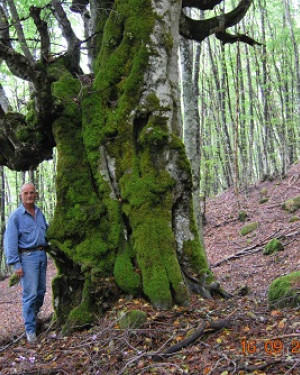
x=257, y=340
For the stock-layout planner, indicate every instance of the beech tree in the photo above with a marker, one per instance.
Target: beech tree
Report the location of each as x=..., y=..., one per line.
x=124, y=220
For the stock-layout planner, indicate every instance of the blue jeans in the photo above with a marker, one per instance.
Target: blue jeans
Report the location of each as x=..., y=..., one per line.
x=34, y=264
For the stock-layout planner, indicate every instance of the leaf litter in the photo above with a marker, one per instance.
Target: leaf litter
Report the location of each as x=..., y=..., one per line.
x=256, y=340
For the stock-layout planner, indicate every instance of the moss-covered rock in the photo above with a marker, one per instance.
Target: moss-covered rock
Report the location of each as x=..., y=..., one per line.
x=249, y=228
x=263, y=200
x=292, y=205
x=285, y=291
x=273, y=246
x=293, y=219
x=242, y=216
x=132, y=319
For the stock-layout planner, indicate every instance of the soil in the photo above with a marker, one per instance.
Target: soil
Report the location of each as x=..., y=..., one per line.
x=255, y=339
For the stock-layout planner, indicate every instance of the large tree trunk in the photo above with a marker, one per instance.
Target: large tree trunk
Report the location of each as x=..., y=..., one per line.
x=124, y=217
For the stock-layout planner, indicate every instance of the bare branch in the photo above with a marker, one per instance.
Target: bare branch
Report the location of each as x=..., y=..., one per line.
x=79, y=6
x=4, y=102
x=201, y=29
x=229, y=38
x=4, y=27
x=43, y=31
x=68, y=33
x=17, y=63
x=19, y=29
x=201, y=4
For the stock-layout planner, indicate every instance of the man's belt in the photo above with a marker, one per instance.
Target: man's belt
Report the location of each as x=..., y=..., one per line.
x=23, y=250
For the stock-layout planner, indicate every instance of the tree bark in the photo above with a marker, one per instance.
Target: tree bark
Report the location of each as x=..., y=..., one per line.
x=124, y=187
x=124, y=220
x=191, y=128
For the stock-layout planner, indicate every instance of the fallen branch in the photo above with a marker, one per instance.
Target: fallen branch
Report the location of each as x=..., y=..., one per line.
x=205, y=327
x=12, y=342
x=256, y=248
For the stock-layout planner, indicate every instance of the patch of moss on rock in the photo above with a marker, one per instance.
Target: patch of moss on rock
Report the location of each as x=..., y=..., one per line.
x=292, y=205
x=273, y=246
x=293, y=219
x=263, y=200
x=242, y=216
x=132, y=319
x=249, y=228
x=285, y=291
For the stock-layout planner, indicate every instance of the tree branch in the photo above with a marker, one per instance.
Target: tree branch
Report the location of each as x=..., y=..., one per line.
x=14, y=152
x=205, y=327
x=79, y=6
x=201, y=4
x=20, y=33
x=4, y=102
x=4, y=28
x=43, y=31
x=17, y=63
x=73, y=42
x=201, y=29
x=225, y=38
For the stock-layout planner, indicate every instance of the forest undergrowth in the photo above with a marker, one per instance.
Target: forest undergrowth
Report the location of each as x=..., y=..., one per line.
x=241, y=335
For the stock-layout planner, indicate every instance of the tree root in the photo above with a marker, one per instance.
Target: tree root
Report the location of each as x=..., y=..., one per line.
x=201, y=287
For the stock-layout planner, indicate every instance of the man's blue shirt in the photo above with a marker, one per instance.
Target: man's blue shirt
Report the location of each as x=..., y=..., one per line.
x=23, y=231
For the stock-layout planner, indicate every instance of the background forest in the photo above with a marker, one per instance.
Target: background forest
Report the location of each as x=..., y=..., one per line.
x=245, y=126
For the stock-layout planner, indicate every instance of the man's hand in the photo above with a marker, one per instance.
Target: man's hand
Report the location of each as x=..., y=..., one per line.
x=19, y=272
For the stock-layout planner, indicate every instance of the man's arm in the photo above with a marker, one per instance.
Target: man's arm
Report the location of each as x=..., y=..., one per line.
x=11, y=244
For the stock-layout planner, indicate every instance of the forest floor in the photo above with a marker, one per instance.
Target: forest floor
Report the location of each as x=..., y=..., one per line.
x=256, y=340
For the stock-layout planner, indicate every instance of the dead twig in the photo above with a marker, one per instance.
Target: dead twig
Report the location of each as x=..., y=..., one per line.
x=12, y=342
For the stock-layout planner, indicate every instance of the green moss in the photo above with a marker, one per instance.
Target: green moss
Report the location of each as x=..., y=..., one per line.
x=13, y=280
x=154, y=246
x=31, y=115
x=197, y=258
x=273, y=246
x=249, y=228
x=168, y=40
x=132, y=319
x=293, y=219
x=284, y=291
x=242, y=216
x=292, y=205
x=103, y=126
x=126, y=276
x=264, y=192
x=88, y=231
x=81, y=316
x=263, y=200
x=67, y=294
x=175, y=143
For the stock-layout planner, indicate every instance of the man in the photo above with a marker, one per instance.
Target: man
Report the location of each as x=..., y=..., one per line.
x=25, y=243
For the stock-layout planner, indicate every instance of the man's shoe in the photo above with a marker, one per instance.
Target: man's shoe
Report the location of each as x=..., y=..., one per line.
x=31, y=337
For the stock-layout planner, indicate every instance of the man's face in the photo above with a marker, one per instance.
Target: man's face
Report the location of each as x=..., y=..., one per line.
x=28, y=194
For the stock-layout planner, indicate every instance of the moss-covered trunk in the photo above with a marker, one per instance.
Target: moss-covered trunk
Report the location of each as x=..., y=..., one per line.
x=124, y=213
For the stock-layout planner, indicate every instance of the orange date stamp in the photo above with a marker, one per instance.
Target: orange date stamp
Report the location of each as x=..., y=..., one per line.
x=270, y=347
